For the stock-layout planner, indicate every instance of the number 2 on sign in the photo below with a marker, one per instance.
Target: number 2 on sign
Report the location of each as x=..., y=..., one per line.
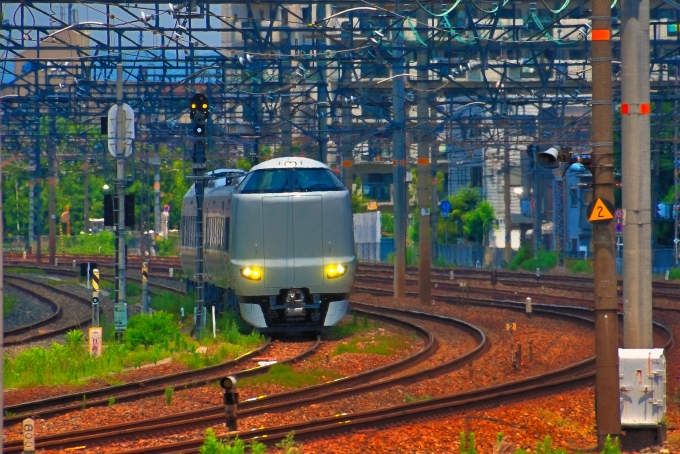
x=511, y=327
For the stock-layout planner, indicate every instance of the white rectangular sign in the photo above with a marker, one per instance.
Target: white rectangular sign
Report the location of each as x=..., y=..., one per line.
x=95, y=335
x=129, y=132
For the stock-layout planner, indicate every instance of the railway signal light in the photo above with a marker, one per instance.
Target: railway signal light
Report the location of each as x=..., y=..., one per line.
x=198, y=112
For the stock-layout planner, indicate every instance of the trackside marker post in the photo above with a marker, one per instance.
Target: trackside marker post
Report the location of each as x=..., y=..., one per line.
x=230, y=402
x=28, y=434
x=95, y=297
x=145, y=288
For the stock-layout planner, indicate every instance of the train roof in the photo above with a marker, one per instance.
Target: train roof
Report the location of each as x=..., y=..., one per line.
x=290, y=162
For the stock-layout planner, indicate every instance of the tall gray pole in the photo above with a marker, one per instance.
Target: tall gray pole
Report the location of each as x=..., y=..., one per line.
x=120, y=192
x=398, y=166
x=31, y=207
x=157, y=199
x=507, y=250
x=346, y=146
x=2, y=297
x=423, y=165
x=636, y=175
x=607, y=402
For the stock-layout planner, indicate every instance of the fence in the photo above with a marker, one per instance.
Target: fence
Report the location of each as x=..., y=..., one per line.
x=367, y=236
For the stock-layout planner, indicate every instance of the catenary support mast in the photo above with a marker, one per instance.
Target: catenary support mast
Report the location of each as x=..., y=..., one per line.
x=606, y=320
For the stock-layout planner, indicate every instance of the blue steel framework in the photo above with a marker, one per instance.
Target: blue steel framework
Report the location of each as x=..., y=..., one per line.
x=313, y=78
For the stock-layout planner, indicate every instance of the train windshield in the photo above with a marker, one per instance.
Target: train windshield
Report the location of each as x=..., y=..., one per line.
x=290, y=180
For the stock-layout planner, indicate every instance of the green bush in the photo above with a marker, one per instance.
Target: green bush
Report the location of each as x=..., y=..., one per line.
x=582, y=266
x=544, y=447
x=674, y=274
x=167, y=247
x=88, y=244
x=157, y=328
x=172, y=303
x=74, y=338
x=211, y=445
x=526, y=260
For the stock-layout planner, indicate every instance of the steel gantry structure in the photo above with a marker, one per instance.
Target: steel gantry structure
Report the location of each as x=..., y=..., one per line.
x=319, y=79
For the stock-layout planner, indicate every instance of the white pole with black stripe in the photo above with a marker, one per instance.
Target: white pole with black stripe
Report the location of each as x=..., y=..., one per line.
x=145, y=288
x=95, y=297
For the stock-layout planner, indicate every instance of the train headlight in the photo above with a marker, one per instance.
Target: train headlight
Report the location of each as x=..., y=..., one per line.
x=333, y=271
x=252, y=272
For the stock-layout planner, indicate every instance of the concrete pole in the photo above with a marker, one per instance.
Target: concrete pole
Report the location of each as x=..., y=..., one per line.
x=38, y=205
x=52, y=201
x=607, y=403
x=507, y=250
x=346, y=146
x=31, y=209
x=157, y=200
x=636, y=175
x=398, y=166
x=423, y=165
x=86, y=194
x=434, y=201
x=2, y=297
x=120, y=192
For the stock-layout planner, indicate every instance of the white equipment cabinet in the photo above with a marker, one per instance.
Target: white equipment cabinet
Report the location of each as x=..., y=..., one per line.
x=642, y=386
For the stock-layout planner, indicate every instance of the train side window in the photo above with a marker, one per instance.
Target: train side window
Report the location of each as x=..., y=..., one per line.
x=225, y=242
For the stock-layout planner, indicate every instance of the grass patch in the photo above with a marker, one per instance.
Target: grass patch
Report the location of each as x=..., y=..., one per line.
x=284, y=375
x=409, y=398
x=16, y=270
x=8, y=303
x=172, y=303
x=88, y=244
x=379, y=344
x=581, y=266
x=674, y=274
x=69, y=364
x=348, y=329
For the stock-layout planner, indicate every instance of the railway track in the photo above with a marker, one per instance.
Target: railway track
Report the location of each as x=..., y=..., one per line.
x=263, y=404
x=58, y=323
x=574, y=376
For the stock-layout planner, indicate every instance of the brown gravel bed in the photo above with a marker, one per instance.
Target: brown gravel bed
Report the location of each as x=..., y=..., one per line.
x=554, y=346
x=198, y=398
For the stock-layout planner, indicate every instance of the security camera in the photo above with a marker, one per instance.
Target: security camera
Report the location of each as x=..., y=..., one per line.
x=548, y=158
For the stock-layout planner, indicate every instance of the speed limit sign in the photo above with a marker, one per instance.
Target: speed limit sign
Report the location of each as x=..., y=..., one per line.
x=28, y=432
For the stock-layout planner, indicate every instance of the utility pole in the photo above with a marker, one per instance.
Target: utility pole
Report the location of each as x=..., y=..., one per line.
x=31, y=204
x=607, y=417
x=434, y=201
x=2, y=294
x=121, y=122
x=52, y=202
x=86, y=193
x=636, y=175
x=38, y=208
x=398, y=164
x=423, y=165
x=157, y=194
x=346, y=147
x=507, y=250
x=199, y=113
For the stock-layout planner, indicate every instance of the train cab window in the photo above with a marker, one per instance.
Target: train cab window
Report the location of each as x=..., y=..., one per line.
x=290, y=180
x=307, y=180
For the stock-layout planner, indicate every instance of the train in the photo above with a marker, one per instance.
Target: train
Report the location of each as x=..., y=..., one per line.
x=278, y=244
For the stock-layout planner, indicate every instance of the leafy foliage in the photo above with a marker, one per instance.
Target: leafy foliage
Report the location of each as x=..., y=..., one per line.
x=169, y=392
x=211, y=445
x=527, y=260
x=168, y=247
x=674, y=274
x=87, y=244
x=581, y=266
x=153, y=329
x=8, y=303
x=467, y=443
x=74, y=338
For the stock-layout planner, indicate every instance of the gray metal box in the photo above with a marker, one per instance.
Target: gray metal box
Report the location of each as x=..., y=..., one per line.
x=642, y=386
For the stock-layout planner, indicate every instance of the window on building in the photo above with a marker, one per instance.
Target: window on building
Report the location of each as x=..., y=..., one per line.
x=476, y=176
x=306, y=13
x=462, y=176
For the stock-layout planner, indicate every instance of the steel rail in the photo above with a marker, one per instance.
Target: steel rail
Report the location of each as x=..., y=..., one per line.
x=283, y=401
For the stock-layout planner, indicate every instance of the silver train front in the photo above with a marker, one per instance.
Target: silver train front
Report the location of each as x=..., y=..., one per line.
x=299, y=245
